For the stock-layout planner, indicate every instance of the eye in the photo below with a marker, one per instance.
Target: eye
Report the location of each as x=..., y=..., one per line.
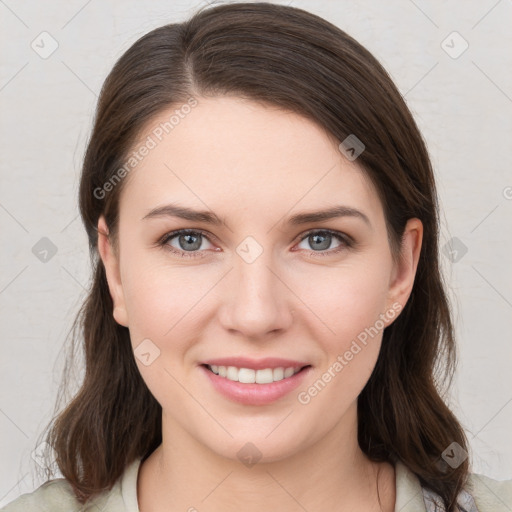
x=188, y=242
x=322, y=239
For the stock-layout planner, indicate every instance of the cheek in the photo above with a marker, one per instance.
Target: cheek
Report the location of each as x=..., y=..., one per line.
x=163, y=302
x=164, y=307
x=349, y=335
x=345, y=300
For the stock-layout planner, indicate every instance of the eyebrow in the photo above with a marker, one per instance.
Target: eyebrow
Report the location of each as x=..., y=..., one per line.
x=182, y=212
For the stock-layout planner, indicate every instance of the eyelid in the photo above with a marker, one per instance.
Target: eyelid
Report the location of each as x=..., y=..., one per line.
x=341, y=236
x=171, y=234
x=338, y=234
x=162, y=242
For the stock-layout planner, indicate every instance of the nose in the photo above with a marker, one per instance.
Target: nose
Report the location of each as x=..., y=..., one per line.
x=258, y=303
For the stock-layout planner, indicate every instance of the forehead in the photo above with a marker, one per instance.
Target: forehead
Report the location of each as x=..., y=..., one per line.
x=238, y=157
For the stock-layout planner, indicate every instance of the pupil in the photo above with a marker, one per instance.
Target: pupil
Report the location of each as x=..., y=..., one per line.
x=190, y=241
x=325, y=237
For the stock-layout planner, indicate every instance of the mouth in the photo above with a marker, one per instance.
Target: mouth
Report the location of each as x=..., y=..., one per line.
x=255, y=387
x=253, y=376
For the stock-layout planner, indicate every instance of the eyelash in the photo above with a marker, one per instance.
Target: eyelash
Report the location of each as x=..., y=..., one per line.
x=347, y=242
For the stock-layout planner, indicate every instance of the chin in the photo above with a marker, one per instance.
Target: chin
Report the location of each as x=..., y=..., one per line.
x=270, y=443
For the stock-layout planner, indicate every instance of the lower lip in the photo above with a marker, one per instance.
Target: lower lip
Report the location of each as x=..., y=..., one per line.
x=255, y=394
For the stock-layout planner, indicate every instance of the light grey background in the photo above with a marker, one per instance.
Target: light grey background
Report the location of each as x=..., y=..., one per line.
x=463, y=104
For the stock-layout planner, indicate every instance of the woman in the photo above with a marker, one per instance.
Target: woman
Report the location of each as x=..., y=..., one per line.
x=267, y=309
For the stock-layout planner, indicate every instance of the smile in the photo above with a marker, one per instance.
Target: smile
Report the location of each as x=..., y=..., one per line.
x=250, y=376
x=249, y=386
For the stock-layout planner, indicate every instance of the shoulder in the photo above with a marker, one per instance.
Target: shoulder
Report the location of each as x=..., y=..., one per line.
x=490, y=495
x=481, y=494
x=57, y=496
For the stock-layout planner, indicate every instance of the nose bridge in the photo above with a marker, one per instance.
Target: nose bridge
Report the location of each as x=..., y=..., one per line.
x=257, y=302
x=256, y=283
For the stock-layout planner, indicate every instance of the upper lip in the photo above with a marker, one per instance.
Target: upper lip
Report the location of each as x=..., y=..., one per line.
x=255, y=364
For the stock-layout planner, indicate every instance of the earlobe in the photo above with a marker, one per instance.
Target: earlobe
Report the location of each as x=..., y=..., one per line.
x=404, y=272
x=111, y=264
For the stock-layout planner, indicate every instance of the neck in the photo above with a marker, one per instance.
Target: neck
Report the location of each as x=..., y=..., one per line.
x=331, y=474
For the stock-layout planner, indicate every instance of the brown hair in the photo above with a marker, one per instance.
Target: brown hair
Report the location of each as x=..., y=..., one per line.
x=286, y=57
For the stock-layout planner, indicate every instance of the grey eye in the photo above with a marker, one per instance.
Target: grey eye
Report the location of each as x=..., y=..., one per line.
x=320, y=240
x=188, y=242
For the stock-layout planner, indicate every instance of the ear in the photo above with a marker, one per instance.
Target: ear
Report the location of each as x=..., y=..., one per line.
x=111, y=263
x=404, y=271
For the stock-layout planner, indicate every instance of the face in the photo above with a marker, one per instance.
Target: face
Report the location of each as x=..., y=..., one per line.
x=255, y=285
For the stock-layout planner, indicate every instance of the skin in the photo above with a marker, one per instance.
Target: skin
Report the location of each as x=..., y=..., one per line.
x=255, y=166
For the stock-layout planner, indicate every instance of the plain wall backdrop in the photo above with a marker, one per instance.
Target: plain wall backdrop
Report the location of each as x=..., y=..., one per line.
x=451, y=60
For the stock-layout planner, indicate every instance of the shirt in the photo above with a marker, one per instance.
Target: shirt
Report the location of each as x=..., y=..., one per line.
x=485, y=495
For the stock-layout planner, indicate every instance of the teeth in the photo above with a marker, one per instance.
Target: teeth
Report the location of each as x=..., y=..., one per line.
x=250, y=376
